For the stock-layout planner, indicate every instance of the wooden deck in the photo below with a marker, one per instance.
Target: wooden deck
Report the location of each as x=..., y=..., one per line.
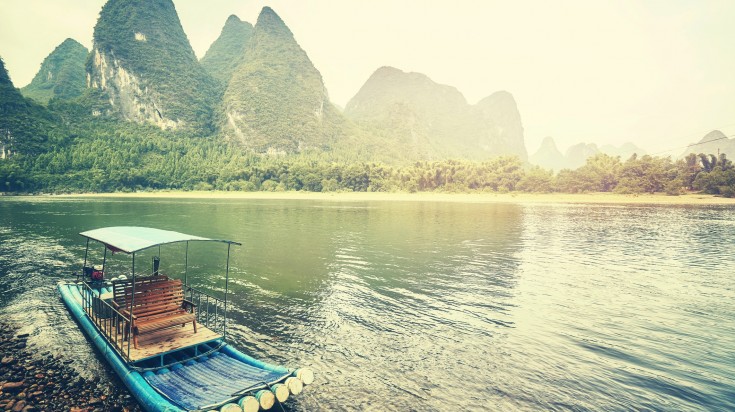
x=159, y=342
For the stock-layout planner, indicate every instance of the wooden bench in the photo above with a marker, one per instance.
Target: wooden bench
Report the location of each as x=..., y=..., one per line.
x=158, y=303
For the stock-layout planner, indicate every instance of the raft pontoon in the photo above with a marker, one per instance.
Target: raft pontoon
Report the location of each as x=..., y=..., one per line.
x=167, y=340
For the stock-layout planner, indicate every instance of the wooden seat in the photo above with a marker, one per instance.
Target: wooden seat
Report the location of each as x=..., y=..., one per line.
x=157, y=303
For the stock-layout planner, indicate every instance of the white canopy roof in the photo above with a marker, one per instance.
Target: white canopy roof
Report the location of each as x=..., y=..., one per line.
x=131, y=239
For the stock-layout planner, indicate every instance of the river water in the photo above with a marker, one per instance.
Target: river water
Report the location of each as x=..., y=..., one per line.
x=421, y=306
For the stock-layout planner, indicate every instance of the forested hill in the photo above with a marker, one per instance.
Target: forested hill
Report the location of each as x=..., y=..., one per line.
x=275, y=100
x=24, y=124
x=62, y=74
x=142, y=60
x=150, y=116
x=257, y=89
x=431, y=119
x=227, y=52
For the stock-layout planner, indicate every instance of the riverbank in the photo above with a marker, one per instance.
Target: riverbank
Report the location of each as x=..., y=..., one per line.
x=566, y=198
x=43, y=382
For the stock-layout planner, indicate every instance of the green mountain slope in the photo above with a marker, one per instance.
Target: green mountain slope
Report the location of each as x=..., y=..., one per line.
x=62, y=74
x=226, y=53
x=433, y=120
x=276, y=100
x=143, y=60
x=428, y=119
x=24, y=124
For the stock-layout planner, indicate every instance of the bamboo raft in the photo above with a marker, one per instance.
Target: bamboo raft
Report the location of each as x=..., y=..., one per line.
x=168, y=353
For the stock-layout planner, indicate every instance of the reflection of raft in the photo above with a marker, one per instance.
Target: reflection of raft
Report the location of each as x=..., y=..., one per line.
x=175, y=368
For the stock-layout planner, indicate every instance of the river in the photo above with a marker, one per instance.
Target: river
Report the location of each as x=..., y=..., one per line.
x=425, y=305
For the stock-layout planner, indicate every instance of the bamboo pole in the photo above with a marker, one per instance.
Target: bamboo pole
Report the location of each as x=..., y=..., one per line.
x=265, y=398
x=281, y=392
x=249, y=404
x=294, y=384
x=230, y=407
x=306, y=375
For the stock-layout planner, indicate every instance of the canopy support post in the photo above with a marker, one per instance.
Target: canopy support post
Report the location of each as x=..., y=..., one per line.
x=86, y=250
x=130, y=312
x=227, y=281
x=186, y=263
x=104, y=260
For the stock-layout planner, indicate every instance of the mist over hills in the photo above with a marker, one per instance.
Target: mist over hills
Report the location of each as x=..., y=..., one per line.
x=256, y=88
x=430, y=118
x=548, y=155
x=714, y=142
x=254, y=114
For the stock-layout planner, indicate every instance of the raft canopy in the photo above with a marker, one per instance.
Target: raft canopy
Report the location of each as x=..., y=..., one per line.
x=131, y=239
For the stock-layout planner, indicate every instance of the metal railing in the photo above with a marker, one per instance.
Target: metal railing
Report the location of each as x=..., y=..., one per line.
x=110, y=322
x=210, y=311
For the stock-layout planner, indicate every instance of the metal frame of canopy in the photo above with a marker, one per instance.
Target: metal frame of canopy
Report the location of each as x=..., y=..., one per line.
x=133, y=239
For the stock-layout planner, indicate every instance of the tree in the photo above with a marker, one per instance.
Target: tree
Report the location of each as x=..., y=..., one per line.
x=537, y=179
x=645, y=175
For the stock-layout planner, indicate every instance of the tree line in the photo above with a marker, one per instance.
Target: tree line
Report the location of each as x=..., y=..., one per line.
x=108, y=156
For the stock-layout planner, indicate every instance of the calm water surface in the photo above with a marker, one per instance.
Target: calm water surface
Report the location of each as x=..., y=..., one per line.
x=427, y=306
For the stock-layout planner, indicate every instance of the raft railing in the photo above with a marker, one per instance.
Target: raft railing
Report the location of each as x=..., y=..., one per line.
x=110, y=322
x=210, y=311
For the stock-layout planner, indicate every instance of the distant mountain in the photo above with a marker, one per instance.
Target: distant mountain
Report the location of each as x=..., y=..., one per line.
x=625, y=151
x=61, y=75
x=411, y=109
x=143, y=60
x=548, y=156
x=275, y=100
x=713, y=142
x=226, y=53
x=434, y=119
x=24, y=124
x=501, y=125
x=577, y=154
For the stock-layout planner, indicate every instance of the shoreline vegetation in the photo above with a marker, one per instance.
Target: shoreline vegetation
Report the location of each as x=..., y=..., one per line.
x=536, y=198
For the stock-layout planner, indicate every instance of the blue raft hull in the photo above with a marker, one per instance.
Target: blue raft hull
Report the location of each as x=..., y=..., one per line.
x=191, y=384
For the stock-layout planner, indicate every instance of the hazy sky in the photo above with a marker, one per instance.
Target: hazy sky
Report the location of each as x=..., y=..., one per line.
x=658, y=73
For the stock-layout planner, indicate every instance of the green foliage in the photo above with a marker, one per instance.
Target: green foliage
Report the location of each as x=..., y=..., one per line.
x=227, y=52
x=275, y=100
x=537, y=180
x=91, y=154
x=163, y=59
x=24, y=124
x=646, y=175
x=717, y=176
x=599, y=174
x=62, y=74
